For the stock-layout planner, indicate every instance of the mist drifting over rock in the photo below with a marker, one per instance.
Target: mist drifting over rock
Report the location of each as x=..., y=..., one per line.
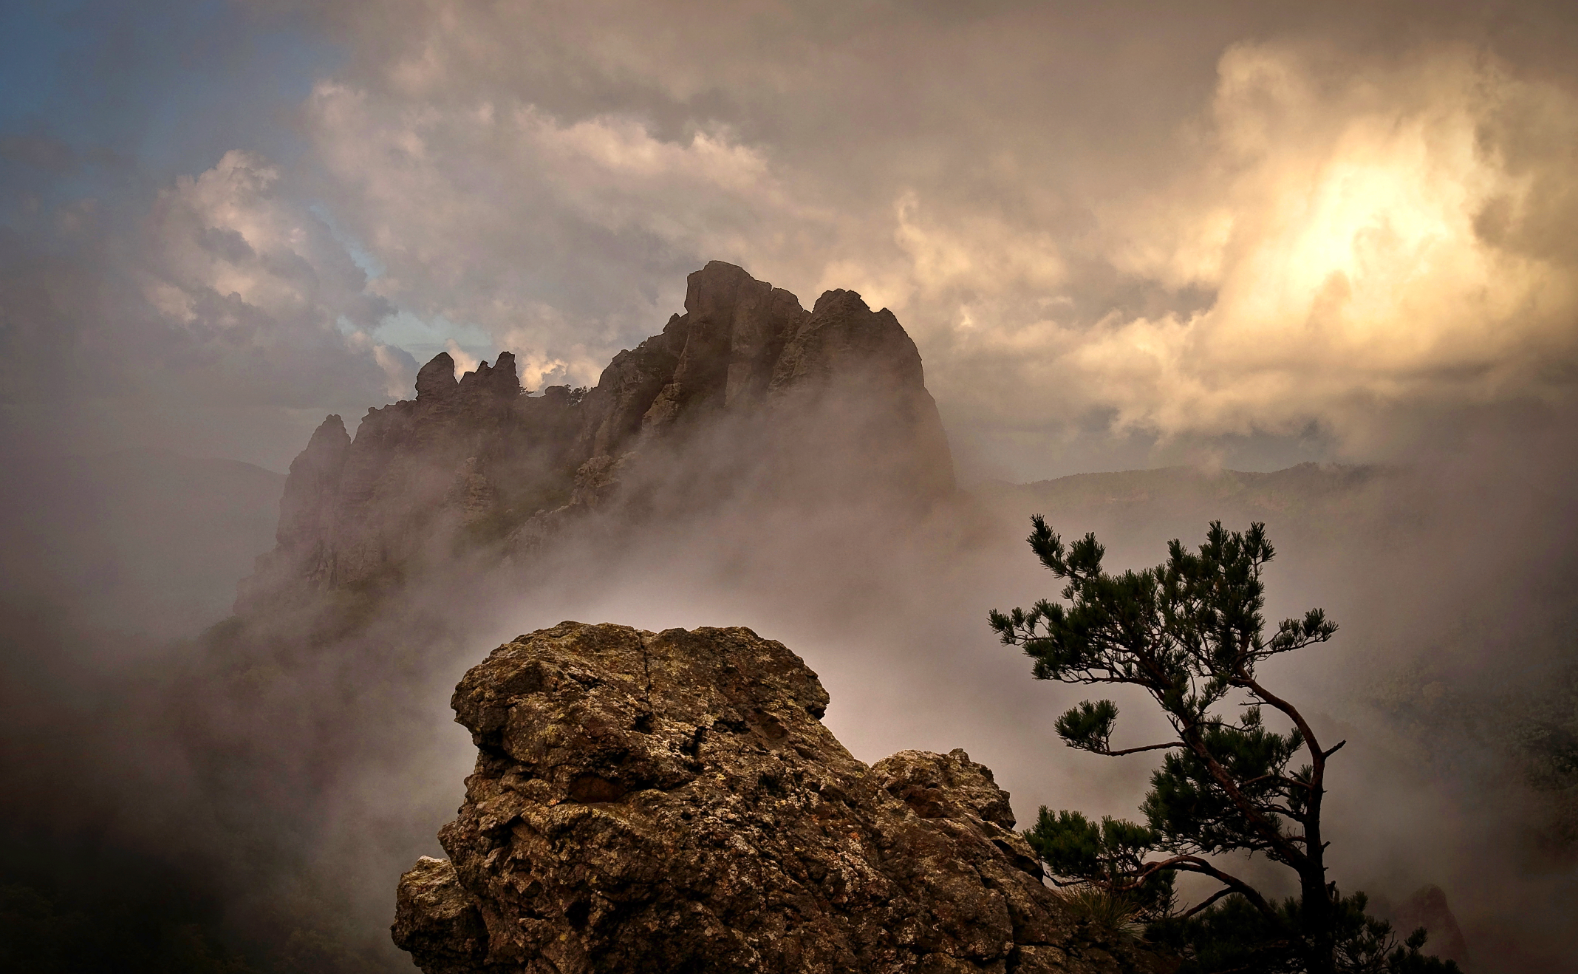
x=1305, y=264
x=824, y=403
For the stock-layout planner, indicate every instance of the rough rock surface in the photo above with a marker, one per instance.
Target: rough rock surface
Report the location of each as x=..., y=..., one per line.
x=840, y=386
x=671, y=802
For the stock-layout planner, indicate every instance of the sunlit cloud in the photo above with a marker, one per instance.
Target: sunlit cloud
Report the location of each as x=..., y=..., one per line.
x=1338, y=224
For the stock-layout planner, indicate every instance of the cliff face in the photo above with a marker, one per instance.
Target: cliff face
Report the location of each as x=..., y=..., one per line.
x=672, y=802
x=835, y=395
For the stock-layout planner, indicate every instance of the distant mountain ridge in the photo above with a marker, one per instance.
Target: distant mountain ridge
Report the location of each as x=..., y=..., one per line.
x=1168, y=502
x=1224, y=480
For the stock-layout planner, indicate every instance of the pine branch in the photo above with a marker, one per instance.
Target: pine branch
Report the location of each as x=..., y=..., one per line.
x=1224, y=891
x=1269, y=832
x=1136, y=750
x=1195, y=864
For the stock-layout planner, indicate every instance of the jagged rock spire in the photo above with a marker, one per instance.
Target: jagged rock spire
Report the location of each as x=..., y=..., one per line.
x=436, y=380
x=835, y=393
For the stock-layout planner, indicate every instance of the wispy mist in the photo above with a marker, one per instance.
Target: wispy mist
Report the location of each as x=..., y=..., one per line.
x=1122, y=238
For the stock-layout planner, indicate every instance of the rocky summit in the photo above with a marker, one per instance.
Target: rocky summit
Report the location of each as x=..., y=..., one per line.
x=830, y=399
x=666, y=802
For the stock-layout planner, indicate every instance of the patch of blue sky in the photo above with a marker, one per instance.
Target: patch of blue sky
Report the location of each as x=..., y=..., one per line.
x=138, y=93
x=425, y=338
x=422, y=338
x=32, y=37
x=360, y=255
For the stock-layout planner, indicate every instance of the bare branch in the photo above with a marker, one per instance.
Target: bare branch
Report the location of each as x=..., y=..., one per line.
x=1198, y=865
x=1224, y=891
x=1136, y=750
x=1195, y=864
x=1280, y=778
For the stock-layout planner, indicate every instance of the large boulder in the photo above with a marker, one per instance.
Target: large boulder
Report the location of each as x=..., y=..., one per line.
x=672, y=802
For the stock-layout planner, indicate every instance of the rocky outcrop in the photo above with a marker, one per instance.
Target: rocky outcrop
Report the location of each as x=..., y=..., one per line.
x=306, y=510
x=1428, y=908
x=672, y=802
x=720, y=353
x=418, y=477
x=832, y=399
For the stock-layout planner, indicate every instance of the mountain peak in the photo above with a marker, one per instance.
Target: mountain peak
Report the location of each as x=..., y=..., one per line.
x=831, y=400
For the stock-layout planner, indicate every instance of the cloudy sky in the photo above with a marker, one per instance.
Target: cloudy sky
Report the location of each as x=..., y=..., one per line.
x=1121, y=234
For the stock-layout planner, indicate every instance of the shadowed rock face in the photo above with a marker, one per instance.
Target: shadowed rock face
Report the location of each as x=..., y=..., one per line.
x=721, y=353
x=834, y=397
x=671, y=802
x=418, y=474
x=1428, y=908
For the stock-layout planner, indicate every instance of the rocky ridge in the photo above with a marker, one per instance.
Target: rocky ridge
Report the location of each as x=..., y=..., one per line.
x=834, y=395
x=672, y=802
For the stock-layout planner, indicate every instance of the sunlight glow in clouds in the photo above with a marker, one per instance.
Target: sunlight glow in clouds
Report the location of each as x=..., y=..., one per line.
x=1337, y=223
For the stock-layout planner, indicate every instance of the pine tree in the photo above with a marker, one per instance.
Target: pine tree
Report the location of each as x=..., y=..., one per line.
x=1190, y=633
